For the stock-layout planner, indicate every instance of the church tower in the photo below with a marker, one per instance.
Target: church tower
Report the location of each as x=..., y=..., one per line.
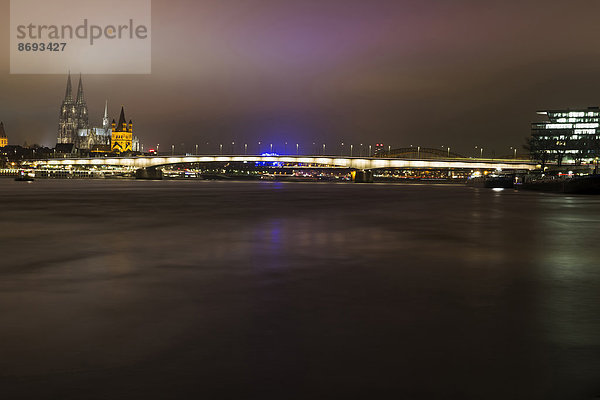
x=81, y=108
x=122, y=135
x=3, y=138
x=105, y=121
x=67, y=122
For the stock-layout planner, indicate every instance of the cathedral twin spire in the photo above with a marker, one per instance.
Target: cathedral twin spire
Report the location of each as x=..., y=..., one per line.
x=73, y=114
x=69, y=92
x=80, y=99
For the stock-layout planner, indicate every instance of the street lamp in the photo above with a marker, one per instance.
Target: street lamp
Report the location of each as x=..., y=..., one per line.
x=418, y=152
x=351, y=149
x=297, y=149
x=172, y=149
x=196, y=149
x=323, y=148
x=245, y=148
x=271, y=148
x=369, y=150
x=342, y=150
x=221, y=148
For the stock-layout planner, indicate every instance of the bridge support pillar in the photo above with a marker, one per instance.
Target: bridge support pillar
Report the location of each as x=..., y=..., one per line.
x=151, y=173
x=362, y=176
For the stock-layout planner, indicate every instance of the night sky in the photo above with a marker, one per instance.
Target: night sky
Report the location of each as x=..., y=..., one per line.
x=460, y=73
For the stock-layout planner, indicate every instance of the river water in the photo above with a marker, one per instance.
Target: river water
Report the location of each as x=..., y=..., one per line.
x=193, y=289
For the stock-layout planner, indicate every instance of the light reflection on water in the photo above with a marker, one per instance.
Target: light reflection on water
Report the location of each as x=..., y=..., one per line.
x=345, y=290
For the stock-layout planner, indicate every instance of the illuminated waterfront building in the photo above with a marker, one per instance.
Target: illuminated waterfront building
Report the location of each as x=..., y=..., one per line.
x=3, y=138
x=566, y=136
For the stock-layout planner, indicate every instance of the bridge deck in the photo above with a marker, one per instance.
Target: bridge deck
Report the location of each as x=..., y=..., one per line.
x=340, y=162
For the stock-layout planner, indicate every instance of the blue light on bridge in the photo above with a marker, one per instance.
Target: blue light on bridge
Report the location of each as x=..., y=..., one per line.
x=269, y=163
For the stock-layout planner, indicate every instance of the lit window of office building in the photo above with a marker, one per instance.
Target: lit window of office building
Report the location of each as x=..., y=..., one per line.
x=566, y=136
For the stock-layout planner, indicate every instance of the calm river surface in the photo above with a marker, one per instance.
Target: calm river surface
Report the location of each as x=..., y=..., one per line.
x=222, y=290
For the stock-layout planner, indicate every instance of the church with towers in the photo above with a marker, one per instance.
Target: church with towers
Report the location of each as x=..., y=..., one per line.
x=3, y=138
x=74, y=127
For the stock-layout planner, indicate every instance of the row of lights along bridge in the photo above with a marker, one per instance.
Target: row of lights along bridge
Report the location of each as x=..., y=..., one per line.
x=360, y=150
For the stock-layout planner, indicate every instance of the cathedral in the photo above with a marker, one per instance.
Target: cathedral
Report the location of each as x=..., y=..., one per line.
x=74, y=127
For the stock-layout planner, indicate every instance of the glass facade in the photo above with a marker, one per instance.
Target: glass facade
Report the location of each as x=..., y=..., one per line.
x=566, y=136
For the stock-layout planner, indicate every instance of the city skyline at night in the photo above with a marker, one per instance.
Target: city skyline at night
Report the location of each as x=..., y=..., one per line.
x=299, y=199
x=429, y=73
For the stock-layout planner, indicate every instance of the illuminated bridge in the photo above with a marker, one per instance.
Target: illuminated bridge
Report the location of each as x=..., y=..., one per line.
x=358, y=163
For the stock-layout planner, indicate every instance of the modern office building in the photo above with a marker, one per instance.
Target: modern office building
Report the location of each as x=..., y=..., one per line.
x=566, y=136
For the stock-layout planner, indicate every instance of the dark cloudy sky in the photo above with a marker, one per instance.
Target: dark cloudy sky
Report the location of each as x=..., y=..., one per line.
x=462, y=73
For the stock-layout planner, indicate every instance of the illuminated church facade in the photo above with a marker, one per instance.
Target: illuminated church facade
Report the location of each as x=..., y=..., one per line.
x=74, y=127
x=3, y=138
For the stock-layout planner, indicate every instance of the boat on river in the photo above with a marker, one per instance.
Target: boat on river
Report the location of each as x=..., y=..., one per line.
x=492, y=181
x=584, y=184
